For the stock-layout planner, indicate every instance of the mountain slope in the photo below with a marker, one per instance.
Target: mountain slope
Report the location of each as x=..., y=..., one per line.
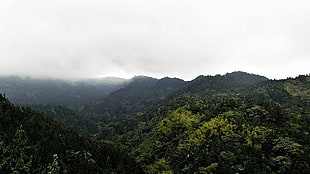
x=235, y=123
x=33, y=143
x=141, y=93
x=260, y=127
x=68, y=116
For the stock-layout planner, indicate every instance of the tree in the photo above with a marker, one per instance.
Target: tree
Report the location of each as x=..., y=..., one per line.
x=15, y=156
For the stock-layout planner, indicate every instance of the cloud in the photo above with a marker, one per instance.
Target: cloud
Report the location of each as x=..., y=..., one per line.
x=80, y=39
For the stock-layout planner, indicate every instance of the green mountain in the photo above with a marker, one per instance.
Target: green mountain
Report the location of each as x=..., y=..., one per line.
x=232, y=123
x=139, y=95
x=33, y=143
x=223, y=124
x=231, y=81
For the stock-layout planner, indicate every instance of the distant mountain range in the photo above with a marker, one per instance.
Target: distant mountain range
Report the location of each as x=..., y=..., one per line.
x=107, y=99
x=26, y=90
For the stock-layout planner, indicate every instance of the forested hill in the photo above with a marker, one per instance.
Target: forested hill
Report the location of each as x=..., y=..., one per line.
x=144, y=92
x=26, y=90
x=31, y=91
x=225, y=83
x=33, y=143
x=141, y=94
x=213, y=127
x=232, y=123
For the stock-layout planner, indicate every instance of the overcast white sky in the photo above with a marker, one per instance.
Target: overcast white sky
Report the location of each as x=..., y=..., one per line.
x=176, y=38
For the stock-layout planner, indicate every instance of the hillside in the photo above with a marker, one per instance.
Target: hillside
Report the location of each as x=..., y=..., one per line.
x=260, y=127
x=139, y=95
x=68, y=116
x=232, y=123
x=33, y=143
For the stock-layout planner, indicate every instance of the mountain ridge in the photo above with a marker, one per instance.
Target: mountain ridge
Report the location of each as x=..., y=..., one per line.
x=233, y=123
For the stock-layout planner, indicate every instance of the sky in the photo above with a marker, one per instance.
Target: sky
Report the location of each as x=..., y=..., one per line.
x=75, y=39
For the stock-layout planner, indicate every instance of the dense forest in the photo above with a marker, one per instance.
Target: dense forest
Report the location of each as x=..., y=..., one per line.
x=232, y=123
x=33, y=143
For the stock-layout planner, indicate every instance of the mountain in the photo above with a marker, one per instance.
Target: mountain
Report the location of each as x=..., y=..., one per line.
x=222, y=124
x=127, y=107
x=26, y=90
x=232, y=123
x=218, y=83
x=245, y=79
x=33, y=143
x=141, y=93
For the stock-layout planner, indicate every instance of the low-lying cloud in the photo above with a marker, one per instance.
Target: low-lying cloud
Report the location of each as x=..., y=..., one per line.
x=81, y=39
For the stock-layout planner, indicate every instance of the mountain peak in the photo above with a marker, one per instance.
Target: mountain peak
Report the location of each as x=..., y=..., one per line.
x=239, y=73
x=245, y=78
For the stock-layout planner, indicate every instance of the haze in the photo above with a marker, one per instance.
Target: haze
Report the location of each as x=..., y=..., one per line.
x=92, y=38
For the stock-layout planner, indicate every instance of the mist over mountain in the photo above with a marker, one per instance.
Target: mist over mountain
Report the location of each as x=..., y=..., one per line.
x=26, y=90
x=71, y=101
